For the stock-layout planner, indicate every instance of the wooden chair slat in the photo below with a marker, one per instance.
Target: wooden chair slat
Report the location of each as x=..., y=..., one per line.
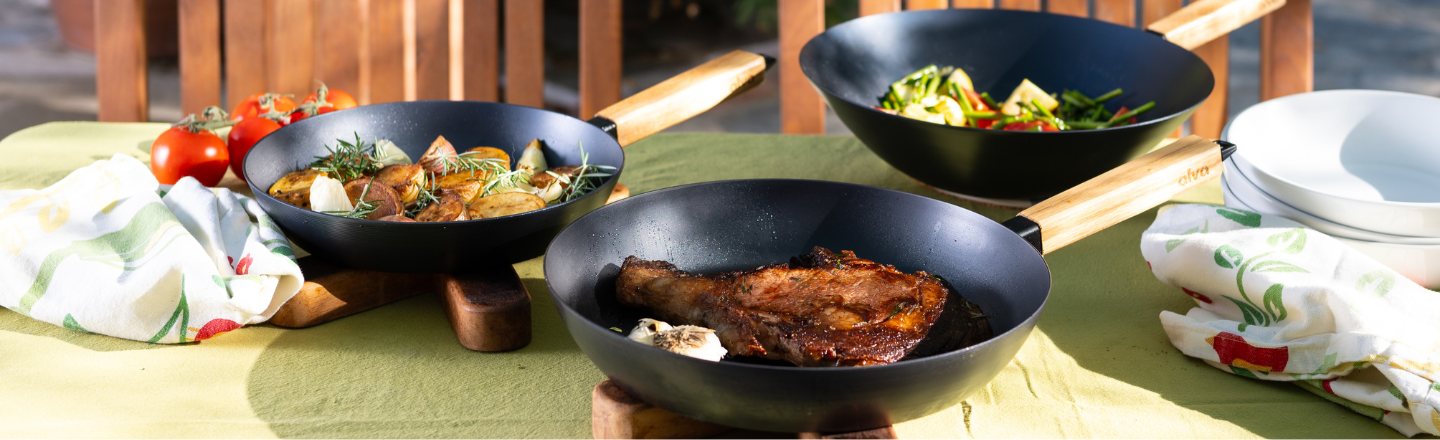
x=245, y=22
x=1154, y=10
x=1121, y=12
x=289, y=40
x=980, y=4
x=872, y=7
x=600, y=55
x=385, y=52
x=199, y=54
x=525, y=52
x=482, y=50
x=1209, y=119
x=338, y=44
x=1024, y=5
x=802, y=111
x=431, y=79
x=1287, y=51
x=1078, y=8
x=915, y=5
x=121, y=84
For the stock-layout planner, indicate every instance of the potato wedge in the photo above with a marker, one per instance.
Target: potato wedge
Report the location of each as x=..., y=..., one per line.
x=500, y=205
x=449, y=209
x=398, y=218
x=387, y=201
x=490, y=153
x=294, y=188
x=467, y=185
x=434, y=158
x=406, y=180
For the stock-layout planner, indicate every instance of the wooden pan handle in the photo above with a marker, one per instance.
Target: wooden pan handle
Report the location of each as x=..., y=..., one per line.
x=684, y=96
x=1205, y=20
x=1123, y=192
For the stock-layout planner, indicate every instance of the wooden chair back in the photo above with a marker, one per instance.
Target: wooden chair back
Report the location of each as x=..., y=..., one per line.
x=1286, y=50
x=378, y=50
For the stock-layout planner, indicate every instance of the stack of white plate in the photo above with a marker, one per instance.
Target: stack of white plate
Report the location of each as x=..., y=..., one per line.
x=1360, y=165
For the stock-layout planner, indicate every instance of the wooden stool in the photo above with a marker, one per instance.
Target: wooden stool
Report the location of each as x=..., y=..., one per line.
x=616, y=414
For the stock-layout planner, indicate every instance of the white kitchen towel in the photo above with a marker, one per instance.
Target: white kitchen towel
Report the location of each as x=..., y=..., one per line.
x=1277, y=301
x=109, y=250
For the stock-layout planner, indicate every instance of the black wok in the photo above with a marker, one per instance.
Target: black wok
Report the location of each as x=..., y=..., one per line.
x=445, y=247
x=853, y=64
x=729, y=225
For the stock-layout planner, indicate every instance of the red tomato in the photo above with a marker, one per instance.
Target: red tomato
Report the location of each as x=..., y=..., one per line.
x=178, y=152
x=243, y=136
x=976, y=101
x=338, y=100
x=253, y=106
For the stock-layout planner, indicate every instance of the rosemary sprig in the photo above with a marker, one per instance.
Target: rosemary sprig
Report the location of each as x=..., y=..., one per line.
x=350, y=161
x=585, y=178
x=507, y=180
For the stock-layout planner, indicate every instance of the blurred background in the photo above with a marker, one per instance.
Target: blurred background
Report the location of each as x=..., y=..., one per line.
x=47, y=66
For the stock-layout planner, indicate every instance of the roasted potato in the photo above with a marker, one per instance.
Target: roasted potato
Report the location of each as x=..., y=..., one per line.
x=467, y=185
x=294, y=188
x=434, y=158
x=450, y=208
x=387, y=201
x=500, y=205
x=399, y=218
x=406, y=180
x=552, y=187
x=490, y=153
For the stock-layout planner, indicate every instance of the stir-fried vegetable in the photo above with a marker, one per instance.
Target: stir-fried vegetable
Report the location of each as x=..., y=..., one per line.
x=946, y=95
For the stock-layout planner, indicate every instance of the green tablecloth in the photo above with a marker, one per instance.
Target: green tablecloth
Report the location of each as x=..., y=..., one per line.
x=1098, y=365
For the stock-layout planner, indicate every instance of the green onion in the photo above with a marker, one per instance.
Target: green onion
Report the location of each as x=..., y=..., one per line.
x=1108, y=95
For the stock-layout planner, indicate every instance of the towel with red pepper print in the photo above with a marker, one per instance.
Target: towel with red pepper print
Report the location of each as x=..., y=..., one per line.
x=1278, y=301
x=109, y=250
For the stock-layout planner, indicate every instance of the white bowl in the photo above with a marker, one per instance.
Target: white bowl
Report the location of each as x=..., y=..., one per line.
x=1361, y=158
x=1245, y=189
x=1418, y=263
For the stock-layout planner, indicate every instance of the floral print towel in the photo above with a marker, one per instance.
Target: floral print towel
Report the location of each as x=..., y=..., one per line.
x=109, y=250
x=1277, y=301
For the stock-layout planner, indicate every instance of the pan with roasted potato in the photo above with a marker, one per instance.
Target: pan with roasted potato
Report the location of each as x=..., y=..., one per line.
x=476, y=182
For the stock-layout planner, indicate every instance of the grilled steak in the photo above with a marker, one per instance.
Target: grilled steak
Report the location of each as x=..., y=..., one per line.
x=822, y=309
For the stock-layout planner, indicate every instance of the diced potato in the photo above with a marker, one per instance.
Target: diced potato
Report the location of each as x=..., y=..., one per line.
x=387, y=201
x=490, y=153
x=435, y=157
x=961, y=79
x=950, y=109
x=1025, y=92
x=467, y=185
x=917, y=111
x=450, y=208
x=406, y=180
x=294, y=188
x=500, y=205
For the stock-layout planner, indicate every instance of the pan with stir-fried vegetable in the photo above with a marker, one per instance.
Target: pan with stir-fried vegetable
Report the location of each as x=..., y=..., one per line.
x=945, y=95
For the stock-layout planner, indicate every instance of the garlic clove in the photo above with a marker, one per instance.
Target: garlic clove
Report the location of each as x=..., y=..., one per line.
x=693, y=341
x=328, y=194
x=644, y=333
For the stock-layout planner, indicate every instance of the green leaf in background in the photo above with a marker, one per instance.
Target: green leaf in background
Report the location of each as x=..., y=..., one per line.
x=1327, y=365
x=182, y=314
x=1228, y=257
x=1396, y=392
x=1243, y=372
x=72, y=324
x=1296, y=238
x=1277, y=266
x=1171, y=244
x=1240, y=216
x=1253, y=316
x=1382, y=280
x=1273, y=303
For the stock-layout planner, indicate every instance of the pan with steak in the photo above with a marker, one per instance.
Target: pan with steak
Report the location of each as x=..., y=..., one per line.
x=821, y=309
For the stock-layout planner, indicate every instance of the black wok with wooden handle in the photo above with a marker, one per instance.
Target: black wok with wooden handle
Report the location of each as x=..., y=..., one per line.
x=444, y=247
x=741, y=224
x=853, y=64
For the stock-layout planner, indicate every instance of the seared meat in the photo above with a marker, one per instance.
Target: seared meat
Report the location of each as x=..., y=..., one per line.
x=822, y=309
